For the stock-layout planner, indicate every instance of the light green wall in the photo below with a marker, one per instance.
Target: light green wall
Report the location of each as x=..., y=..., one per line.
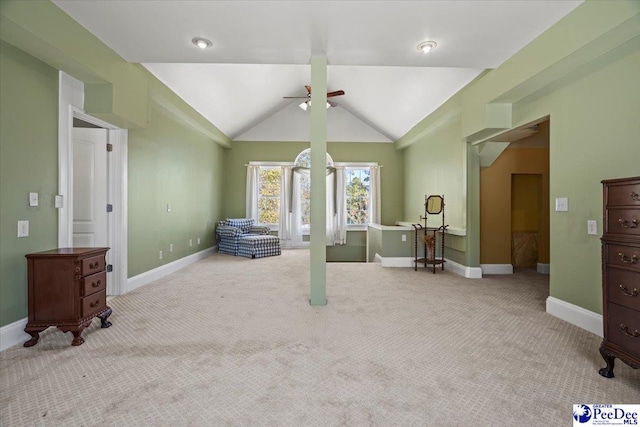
x=242, y=152
x=169, y=163
x=594, y=136
x=28, y=162
x=583, y=74
x=428, y=166
x=175, y=156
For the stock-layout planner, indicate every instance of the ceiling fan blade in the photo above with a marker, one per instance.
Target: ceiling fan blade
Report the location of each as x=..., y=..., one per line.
x=308, y=89
x=333, y=104
x=336, y=93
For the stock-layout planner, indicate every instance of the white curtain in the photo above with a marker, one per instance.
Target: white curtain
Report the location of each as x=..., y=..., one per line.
x=340, y=209
x=330, y=210
x=295, y=212
x=253, y=175
x=290, y=228
x=374, y=189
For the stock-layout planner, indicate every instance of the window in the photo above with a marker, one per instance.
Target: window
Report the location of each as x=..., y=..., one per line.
x=269, y=195
x=358, y=200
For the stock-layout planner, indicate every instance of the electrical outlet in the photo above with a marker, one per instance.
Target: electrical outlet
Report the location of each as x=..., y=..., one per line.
x=404, y=237
x=190, y=242
x=168, y=207
x=170, y=247
x=160, y=255
x=592, y=227
x=58, y=201
x=23, y=228
x=198, y=240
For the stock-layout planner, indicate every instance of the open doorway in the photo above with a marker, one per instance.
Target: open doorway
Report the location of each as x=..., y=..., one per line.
x=92, y=180
x=514, y=202
x=526, y=220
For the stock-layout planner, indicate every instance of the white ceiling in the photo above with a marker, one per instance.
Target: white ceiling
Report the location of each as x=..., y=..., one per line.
x=262, y=50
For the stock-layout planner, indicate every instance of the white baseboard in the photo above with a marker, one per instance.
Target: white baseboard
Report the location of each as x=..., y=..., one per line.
x=575, y=315
x=544, y=268
x=463, y=270
x=147, y=277
x=13, y=334
x=459, y=269
x=496, y=268
x=401, y=261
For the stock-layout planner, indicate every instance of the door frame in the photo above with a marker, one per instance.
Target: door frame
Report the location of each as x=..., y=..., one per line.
x=70, y=105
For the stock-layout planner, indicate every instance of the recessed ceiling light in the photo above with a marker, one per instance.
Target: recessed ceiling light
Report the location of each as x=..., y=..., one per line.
x=201, y=43
x=426, y=47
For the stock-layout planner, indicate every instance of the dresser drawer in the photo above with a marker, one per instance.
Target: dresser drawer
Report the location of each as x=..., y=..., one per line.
x=626, y=256
x=94, y=303
x=623, y=287
x=94, y=283
x=623, y=195
x=623, y=221
x=623, y=327
x=93, y=265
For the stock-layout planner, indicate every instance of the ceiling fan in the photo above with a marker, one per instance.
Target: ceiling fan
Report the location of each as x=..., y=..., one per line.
x=306, y=104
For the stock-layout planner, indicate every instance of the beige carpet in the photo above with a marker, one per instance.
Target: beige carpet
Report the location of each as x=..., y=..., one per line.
x=234, y=341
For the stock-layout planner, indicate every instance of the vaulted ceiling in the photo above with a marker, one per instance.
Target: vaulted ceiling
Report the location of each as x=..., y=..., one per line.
x=262, y=49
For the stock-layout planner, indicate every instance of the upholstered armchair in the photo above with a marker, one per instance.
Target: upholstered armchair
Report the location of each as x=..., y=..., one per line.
x=230, y=231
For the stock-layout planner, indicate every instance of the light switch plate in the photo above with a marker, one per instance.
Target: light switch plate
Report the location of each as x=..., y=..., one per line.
x=404, y=237
x=23, y=228
x=58, y=201
x=168, y=207
x=592, y=227
x=562, y=204
x=33, y=199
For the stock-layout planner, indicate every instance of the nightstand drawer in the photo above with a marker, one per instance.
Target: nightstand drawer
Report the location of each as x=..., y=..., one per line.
x=93, y=265
x=94, y=283
x=94, y=303
x=624, y=256
x=623, y=327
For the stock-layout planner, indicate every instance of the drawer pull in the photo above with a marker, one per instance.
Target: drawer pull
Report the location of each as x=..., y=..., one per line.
x=635, y=196
x=627, y=260
x=97, y=303
x=96, y=284
x=635, y=333
x=625, y=224
x=94, y=265
x=633, y=293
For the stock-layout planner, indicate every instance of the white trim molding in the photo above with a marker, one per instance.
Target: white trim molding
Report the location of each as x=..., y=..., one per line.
x=578, y=316
x=147, y=277
x=496, y=268
x=459, y=269
x=463, y=270
x=399, y=261
x=544, y=268
x=13, y=334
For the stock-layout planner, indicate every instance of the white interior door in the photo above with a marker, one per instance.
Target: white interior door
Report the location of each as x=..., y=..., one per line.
x=90, y=187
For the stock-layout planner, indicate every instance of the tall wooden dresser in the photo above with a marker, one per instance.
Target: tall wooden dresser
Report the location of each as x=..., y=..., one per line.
x=68, y=289
x=621, y=273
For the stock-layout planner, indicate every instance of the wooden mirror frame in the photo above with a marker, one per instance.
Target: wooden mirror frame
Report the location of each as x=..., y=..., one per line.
x=434, y=205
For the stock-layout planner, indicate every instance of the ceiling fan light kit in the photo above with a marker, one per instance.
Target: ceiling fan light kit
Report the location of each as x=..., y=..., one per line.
x=426, y=47
x=202, y=43
x=306, y=104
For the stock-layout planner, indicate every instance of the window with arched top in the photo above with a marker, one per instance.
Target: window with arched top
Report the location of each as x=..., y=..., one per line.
x=279, y=195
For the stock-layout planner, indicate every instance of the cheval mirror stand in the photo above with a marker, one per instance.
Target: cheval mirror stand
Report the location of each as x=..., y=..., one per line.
x=433, y=205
